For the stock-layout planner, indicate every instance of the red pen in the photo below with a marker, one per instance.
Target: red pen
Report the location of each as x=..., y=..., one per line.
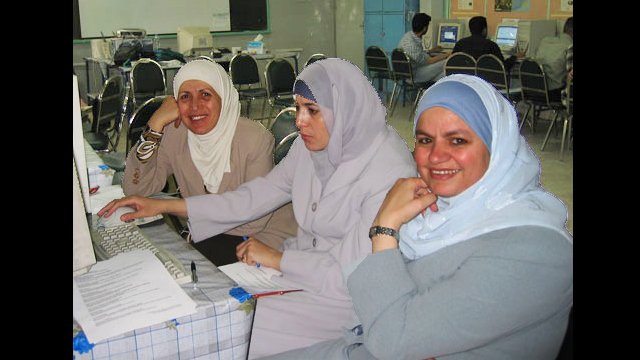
x=255, y=296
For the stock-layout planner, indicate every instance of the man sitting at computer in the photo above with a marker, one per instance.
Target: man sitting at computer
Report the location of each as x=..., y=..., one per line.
x=552, y=55
x=477, y=44
x=425, y=67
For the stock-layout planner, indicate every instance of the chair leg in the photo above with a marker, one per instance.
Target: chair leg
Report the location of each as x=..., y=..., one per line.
x=526, y=114
x=392, y=105
x=415, y=103
x=566, y=133
x=546, y=138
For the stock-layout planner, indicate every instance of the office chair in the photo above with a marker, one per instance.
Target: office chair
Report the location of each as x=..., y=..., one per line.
x=378, y=67
x=535, y=94
x=492, y=69
x=284, y=124
x=403, y=74
x=139, y=119
x=146, y=80
x=313, y=58
x=243, y=70
x=282, y=148
x=280, y=76
x=109, y=117
x=460, y=63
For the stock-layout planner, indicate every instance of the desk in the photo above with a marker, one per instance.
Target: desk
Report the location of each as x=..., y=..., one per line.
x=220, y=329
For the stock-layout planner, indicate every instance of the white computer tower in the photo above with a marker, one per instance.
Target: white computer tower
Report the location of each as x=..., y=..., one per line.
x=531, y=32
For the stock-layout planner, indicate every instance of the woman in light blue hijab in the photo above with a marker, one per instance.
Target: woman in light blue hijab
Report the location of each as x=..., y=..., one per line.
x=471, y=259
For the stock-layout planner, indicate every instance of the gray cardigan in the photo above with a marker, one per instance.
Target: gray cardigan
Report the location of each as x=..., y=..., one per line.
x=502, y=295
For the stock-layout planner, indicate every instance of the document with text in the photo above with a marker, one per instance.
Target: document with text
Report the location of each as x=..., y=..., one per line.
x=252, y=278
x=129, y=291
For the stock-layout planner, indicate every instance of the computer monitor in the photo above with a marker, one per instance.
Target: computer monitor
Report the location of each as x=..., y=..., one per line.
x=506, y=37
x=83, y=254
x=194, y=40
x=448, y=35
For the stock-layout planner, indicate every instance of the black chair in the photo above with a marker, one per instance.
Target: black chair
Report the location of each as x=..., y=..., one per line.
x=460, y=63
x=139, y=119
x=107, y=108
x=282, y=149
x=243, y=70
x=284, y=124
x=492, y=69
x=535, y=94
x=279, y=76
x=403, y=73
x=313, y=58
x=146, y=81
x=378, y=67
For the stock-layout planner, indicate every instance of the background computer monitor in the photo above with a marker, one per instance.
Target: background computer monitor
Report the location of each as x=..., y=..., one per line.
x=194, y=40
x=448, y=35
x=506, y=36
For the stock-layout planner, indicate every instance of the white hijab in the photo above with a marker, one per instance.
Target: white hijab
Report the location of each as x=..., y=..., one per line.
x=509, y=194
x=211, y=152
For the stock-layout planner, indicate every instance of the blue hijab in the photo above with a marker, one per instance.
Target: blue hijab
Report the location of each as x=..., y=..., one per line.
x=509, y=194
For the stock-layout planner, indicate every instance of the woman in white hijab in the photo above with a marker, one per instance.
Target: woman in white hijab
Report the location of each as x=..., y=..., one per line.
x=483, y=268
x=198, y=136
x=336, y=174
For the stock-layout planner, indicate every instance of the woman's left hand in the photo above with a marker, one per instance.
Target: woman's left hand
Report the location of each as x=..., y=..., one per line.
x=252, y=251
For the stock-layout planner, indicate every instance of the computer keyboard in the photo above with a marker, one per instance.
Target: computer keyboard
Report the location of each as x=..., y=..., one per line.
x=113, y=240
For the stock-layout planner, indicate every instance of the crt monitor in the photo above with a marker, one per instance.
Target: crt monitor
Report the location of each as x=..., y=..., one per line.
x=448, y=34
x=194, y=40
x=506, y=37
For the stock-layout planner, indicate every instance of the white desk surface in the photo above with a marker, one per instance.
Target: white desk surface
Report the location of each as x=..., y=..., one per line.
x=220, y=329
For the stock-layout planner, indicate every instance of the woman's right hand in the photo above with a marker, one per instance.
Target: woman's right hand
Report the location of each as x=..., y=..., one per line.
x=167, y=113
x=144, y=207
x=407, y=198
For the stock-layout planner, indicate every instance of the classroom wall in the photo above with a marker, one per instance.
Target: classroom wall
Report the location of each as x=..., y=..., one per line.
x=302, y=24
x=539, y=9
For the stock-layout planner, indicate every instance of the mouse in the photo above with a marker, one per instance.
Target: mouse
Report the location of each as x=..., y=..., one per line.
x=114, y=219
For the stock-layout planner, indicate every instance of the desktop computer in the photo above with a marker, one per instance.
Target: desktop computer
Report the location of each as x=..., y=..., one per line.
x=194, y=40
x=448, y=35
x=506, y=37
x=531, y=32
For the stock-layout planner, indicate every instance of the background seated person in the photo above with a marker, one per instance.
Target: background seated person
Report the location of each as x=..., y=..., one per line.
x=477, y=44
x=552, y=55
x=483, y=268
x=198, y=136
x=425, y=67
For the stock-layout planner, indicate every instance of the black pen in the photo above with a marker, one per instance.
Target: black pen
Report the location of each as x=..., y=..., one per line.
x=194, y=276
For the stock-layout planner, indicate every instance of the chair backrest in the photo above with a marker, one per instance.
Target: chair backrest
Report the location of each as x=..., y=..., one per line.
x=243, y=70
x=491, y=69
x=533, y=83
x=284, y=124
x=147, y=80
x=280, y=76
x=108, y=105
x=460, y=63
x=401, y=65
x=313, y=58
x=139, y=119
x=377, y=63
x=282, y=148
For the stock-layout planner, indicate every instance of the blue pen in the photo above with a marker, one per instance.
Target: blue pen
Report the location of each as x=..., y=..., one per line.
x=245, y=238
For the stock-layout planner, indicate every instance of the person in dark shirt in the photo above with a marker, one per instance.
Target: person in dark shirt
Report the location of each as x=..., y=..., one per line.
x=477, y=44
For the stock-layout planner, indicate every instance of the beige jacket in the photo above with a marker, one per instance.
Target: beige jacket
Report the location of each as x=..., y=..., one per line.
x=251, y=156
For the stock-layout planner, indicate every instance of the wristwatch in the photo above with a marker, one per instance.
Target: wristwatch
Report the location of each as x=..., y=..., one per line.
x=377, y=230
